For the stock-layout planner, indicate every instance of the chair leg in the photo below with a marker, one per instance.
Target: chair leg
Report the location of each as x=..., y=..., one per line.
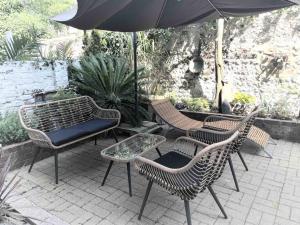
x=95, y=140
x=242, y=159
x=271, y=141
x=267, y=153
x=115, y=136
x=166, y=131
x=129, y=179
x=56, y=165
x=145, y=199
x=158, y=152
x=187, y=212
x=37, y=152
x=196, y=150
x=217, y=201
x=233, y=174
x=107, y=172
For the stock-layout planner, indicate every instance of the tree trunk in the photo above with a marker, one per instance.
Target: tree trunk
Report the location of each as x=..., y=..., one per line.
x=219, y=64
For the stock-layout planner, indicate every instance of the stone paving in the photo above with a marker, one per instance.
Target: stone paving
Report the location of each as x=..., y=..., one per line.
x=269, y=191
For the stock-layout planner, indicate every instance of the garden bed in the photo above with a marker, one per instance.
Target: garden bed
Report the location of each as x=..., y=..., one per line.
x=278, y=129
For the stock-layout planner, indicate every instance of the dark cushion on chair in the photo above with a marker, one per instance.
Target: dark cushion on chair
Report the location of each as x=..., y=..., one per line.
x=96, y=125
x=173, y=160
x=65, y=135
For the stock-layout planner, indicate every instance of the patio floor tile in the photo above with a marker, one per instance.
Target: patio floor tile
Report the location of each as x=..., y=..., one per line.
x=269, y=191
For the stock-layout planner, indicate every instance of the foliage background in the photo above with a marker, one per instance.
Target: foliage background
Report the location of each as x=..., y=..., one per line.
x=21, y=16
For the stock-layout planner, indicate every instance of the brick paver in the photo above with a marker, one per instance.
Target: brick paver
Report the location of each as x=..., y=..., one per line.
x=269, y=191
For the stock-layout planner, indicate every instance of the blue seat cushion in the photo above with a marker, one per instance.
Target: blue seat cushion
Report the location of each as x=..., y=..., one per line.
x=173, y=160
x=65, y=135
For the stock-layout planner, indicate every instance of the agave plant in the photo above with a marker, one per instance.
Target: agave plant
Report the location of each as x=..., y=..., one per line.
x=7, y=213
x=111, y=83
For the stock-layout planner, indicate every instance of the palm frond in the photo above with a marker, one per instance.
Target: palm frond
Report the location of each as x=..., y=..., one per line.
x=20, y=48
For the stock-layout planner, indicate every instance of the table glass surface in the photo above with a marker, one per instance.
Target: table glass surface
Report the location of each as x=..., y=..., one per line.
x=129, y=148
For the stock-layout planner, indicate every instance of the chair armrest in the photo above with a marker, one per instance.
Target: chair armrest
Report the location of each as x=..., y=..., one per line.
x=214, y=118
x=209, y=136
x=188, y=146
x=153, y=166
x=105, y=113
x=39, y=137
x=190, y=132
x=191, y=140
x=108, y=113
x=222, y=123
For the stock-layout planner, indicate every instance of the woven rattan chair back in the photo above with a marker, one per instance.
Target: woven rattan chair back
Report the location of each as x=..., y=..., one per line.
x=229, y=125
x=200, y=172
x=171, y=116
x=59, y=114
x=244, y=129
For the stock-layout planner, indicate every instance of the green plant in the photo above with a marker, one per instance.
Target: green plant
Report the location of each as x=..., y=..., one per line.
x=8, y=215
x=172, y=97
x=111, y=83
x=20, y=16
x=243, y=98
x=277, y=110
x=116, y=44
x=62, y=94
x=197, y=104
x=62, y=51
x=280, y=110
x=11, y=130
x=22, y=47
x=154, y=53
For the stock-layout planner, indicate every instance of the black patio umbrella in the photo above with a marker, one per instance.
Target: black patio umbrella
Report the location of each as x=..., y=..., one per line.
x=139, y=15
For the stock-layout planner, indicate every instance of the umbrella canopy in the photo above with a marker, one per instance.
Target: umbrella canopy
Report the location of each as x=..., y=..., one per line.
x=138, y=15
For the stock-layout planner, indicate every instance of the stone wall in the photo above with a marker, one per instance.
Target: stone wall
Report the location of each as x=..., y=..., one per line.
x=262, y=58
x=19, y=79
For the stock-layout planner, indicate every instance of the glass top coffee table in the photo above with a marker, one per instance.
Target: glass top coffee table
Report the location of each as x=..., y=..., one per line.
x=127, y=150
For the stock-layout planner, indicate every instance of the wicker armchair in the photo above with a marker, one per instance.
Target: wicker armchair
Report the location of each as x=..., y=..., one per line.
x=185, y=175
x=58, y=124
x=215, y=127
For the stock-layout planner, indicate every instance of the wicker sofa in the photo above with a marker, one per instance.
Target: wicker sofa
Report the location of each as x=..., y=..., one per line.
x=55, y=125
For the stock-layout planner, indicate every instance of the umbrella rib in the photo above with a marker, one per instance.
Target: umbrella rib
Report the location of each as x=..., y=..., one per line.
x=160, y=13
x=210, y=2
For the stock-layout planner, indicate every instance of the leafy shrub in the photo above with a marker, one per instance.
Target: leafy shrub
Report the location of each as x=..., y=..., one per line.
x=111, y=83
x=243, y=98
x=172, y=97
x=23, y=47
x=62, y=94
x=7, y=214
x=279, y=110
x=197, y=104
x=11, y=130
x=23, y=15
x=115, y=44
x=62, y=51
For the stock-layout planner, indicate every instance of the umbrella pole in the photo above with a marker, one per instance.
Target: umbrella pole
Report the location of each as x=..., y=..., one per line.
x=134, y=43
x=219, y=64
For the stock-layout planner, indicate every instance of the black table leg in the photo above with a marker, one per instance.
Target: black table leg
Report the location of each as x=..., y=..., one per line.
x=129, y=178
x=107, y=172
